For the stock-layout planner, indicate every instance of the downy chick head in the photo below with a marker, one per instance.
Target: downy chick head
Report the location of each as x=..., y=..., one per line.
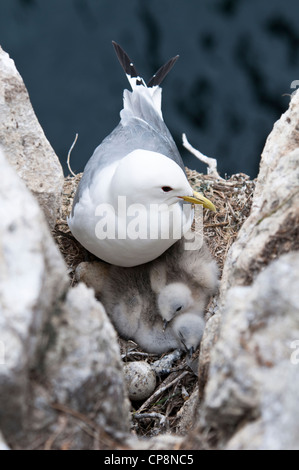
x=175, y=298
x=188, y=329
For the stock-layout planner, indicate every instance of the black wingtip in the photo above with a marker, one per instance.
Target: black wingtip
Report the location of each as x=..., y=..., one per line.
x=130, y=69
x=159, y=76
x=125, y=60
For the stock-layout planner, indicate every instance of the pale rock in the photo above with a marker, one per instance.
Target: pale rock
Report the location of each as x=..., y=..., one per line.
x=210, y=337
x=188, y=414
x=62, y=334
x=24, y=141
x=270, y=231
x=32, y=281
x=252, y=392
x=272, y=227
x=83, y=365
x=3, y=445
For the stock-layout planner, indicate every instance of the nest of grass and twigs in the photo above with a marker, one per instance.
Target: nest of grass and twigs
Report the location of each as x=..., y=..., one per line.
x=232, y=198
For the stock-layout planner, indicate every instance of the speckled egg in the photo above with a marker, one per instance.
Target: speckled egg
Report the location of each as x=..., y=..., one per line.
x=140, y=380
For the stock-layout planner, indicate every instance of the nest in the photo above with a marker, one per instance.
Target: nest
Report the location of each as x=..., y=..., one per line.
x=232, y=198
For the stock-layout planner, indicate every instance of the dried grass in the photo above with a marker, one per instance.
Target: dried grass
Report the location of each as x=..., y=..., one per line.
x=232, y=198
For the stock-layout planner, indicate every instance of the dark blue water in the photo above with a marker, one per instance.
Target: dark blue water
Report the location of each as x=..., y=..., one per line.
x=237, y=59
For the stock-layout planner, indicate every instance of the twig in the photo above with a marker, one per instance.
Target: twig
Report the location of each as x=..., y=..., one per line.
x=220, y=194
x=136, y=353
x=68, y=235
x=211, y=162
x=154, y=415
x=219, y=224
x=163, y=365
x=62, y=422
x=76, y=414
x=232, y=211
x=101, y=434
x=245, y=203
x=161, y=390
x=69, y=155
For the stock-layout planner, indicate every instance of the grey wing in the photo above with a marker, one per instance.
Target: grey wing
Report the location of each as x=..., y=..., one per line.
x=139, y=134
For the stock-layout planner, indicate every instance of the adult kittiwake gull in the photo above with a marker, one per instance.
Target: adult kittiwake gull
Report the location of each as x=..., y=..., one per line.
x=134, y=200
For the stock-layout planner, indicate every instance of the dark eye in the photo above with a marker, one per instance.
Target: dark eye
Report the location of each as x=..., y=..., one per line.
x=166, y=189
x=178, y=309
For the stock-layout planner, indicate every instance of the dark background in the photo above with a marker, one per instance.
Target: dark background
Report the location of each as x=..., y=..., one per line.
x=237, y=59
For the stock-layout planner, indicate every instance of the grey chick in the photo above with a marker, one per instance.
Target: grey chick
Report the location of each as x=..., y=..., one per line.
x=184, y=280
x=133, y=309
x=130, y=304
x=188, y=328
x=174, y=299
x=138, y=300
x=184, y=332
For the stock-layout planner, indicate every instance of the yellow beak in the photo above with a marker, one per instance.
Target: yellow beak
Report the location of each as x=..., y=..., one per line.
x=198, y=198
